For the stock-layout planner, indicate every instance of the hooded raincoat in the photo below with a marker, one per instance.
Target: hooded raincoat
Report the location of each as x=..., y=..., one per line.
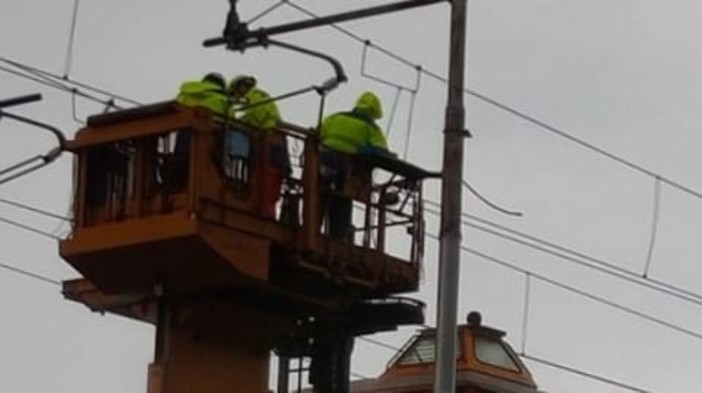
x=355, y=131
x=203, y=94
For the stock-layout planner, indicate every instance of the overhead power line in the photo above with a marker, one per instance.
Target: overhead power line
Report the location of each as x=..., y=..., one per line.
x=65, y=84
x=35, y=210
x=576, y=257
x=29, y=274
x=29, y=228
x=507, y=108
x=585, y=374
x=582, y=293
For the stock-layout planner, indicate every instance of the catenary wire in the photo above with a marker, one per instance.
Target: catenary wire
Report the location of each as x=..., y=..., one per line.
x=35, y=210
x=29, y=228
x=520, y=114
x=29, y=274
x=60, y=82
x=579, y=292
x=585, y=260
x=585, y=374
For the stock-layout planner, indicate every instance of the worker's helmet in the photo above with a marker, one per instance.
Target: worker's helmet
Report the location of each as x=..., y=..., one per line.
x=216, y=78
x=370, y=104
x=239, y=80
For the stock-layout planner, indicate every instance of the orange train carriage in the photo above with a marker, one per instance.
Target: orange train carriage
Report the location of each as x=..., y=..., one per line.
x=485, y=364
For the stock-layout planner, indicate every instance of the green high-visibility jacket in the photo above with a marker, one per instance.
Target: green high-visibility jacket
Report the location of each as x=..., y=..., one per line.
x=264, y=116
x=203, y=94
x=349, y=132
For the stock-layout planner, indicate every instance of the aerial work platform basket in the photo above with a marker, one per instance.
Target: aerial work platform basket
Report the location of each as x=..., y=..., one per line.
x=173, y=196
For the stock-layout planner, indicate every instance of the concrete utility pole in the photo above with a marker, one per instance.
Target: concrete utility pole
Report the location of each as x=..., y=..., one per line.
x=451, y=196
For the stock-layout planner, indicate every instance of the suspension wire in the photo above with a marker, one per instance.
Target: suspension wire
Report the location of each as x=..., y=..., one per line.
x=52, y=84
x=582, y=293
x=487, y=202
x=364, y=71
x=71, y=40
x=408, y=134
x=391, y=118
x=29, y=274
x=266, y=12
x=654, y=224
x=582, y=143
x=570, y=254
x=525, y=316
x=73, y=108
x=29, y=228
x=33, y=78
x=60, y=81
x=585, y=374
x=35, y=210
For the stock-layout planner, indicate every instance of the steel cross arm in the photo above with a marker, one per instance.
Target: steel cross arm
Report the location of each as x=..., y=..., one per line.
x=55, y=131
x=263, y=33
x=20, y=100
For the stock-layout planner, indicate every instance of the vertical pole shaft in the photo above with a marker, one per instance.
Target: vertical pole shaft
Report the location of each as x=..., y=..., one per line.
x=451, y=196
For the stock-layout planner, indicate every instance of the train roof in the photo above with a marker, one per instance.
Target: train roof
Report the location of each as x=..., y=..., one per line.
x=484, y=361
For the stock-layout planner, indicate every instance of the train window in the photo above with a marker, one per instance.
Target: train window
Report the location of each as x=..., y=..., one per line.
x=494, y=352
x=421, y=351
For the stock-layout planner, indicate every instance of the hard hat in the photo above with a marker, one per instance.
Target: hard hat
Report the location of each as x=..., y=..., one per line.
x=369, y=103
x=216, y=78
x=247, y=80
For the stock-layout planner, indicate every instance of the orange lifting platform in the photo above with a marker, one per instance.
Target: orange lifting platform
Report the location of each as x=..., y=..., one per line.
x=170, y=227
x=149, y=212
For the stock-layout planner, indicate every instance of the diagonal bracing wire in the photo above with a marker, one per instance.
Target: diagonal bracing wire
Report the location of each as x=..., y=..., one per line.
x=654, y=225
x=525, y=315
x=266, y=12
x=71, y=40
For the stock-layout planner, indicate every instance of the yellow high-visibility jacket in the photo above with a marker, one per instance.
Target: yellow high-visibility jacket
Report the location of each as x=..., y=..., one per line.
x=264, y=116
x=203, y=94
x=350, y=132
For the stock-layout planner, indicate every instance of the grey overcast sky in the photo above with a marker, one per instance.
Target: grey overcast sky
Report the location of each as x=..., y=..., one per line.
x=623, y=75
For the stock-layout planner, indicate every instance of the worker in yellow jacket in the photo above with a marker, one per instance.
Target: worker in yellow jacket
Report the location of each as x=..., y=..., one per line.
x=254, y=107
x=344, y=135
x=207, y=93
x=248, y=103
